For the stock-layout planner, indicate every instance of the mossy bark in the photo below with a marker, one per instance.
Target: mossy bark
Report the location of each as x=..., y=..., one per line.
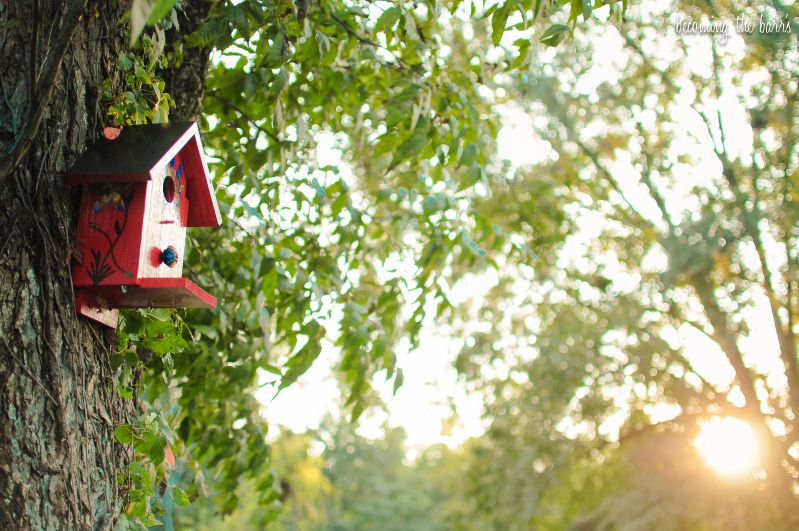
x=59, y=462
x=58, y=403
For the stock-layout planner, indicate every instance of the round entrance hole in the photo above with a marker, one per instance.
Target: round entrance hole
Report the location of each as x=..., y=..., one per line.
x=169, y=188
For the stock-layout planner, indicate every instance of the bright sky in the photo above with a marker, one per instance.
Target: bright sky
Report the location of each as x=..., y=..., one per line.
x=423, y=405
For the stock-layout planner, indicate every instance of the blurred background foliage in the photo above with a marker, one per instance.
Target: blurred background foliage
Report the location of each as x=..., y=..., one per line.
x=354, y=147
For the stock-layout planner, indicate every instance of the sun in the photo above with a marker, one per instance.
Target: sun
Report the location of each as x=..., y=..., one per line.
x=729, y=446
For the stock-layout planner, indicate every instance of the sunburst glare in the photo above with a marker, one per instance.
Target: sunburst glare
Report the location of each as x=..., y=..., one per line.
x=729, y=446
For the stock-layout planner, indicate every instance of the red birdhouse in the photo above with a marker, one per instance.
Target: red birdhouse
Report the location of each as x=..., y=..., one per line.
x=140, y=192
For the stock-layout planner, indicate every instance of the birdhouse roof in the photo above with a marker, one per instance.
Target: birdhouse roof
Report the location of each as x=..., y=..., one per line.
x=142, y=150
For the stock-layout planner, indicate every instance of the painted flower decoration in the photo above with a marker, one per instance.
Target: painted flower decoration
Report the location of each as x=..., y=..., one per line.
x=176, y=174
x=110, y=200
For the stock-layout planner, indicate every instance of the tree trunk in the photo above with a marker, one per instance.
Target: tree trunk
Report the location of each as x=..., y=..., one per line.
x=58, y=402
x=185, y=82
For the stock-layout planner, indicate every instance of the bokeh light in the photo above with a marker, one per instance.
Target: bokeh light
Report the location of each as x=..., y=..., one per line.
x=729, y=446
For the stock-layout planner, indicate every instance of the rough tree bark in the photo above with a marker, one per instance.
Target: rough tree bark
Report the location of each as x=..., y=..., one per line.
x=58, y=402
x=185, y=81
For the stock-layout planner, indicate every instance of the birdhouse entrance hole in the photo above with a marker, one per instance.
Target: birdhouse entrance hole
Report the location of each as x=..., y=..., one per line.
x=169, y=189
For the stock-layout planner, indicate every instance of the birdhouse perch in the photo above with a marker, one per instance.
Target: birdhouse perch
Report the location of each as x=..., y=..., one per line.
x=140, y=192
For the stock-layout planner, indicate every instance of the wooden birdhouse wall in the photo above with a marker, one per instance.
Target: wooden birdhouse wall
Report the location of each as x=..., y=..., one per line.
x=109, y=239
x=165, y=220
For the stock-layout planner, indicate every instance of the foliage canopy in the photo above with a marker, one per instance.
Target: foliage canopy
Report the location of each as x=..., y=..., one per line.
x=356, y=251
x=356, y=148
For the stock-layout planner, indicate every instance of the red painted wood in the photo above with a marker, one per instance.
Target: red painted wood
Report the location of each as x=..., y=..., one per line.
x=96, y=308
x=104, y=209
x=204, y=210
x=166, y=293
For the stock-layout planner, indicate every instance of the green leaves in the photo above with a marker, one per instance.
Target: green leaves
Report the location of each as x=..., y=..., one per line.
x=588, y=6
x=148, y=12
x=469, y=155
x=498, y=21
x=302, y=360
x=554, y=34
x=150, y=438
x=158, y=331
x=409, y=136
x=179, y=496
x=388, y=18
x=213, y=31
x=275, y=56
x=141, y=99
x=123, y=434
x=414, y=144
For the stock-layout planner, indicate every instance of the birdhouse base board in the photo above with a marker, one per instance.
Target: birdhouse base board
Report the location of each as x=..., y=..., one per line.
x=101, y=303
x=95, y=307
x=166, y=293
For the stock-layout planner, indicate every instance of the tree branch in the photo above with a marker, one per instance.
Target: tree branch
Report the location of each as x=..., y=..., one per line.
x=669, y=82
x=364, y=40
x=785, y=336
x=647, y=178
x=232, y=106
x=548, y=99
x=726, y=340
x=717, y=87
x=752, y=217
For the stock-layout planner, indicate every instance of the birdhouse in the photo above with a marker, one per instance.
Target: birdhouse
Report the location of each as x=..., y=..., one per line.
x=140, y=193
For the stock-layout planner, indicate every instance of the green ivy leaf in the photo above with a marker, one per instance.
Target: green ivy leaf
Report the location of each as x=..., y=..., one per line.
x=123, y=433
x=125, y=62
